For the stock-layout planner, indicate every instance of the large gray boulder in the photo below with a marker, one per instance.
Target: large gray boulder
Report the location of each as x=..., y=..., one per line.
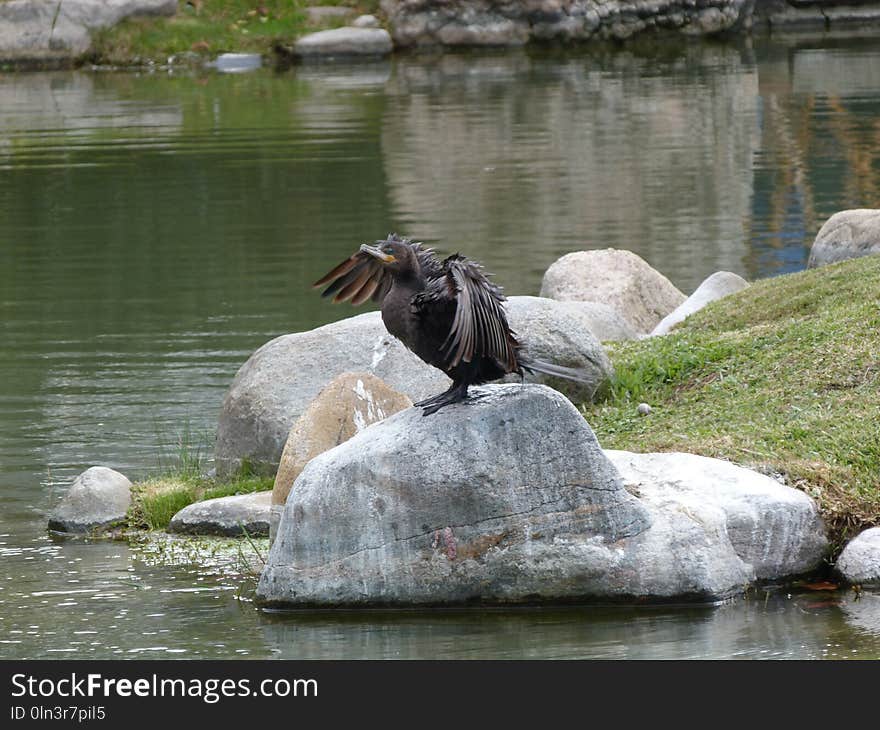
x=715, y=287
x=50, y=31
x=232, y=516
x=345, y=42
x=859, y=562
x=543, y=315
x=846, y=235
x=774, y=529
x=504, y=499
x=97, y=499
x=617, y=278
x=274, y=387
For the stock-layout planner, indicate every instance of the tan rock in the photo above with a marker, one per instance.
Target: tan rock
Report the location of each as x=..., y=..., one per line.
x=344, y=407
x=620, y=279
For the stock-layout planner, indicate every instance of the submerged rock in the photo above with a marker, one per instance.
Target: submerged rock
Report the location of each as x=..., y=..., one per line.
x=229, y=516
x=846, y=235
x=237, y=62
x=508, y=499
x=98, y=498
x=621, y=279
x=716, y=286
x=859, y=562
x=346, y=406
x=276, y=384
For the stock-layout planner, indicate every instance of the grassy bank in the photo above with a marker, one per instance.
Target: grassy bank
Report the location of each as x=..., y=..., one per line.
x=783, y=377
x=210, y=27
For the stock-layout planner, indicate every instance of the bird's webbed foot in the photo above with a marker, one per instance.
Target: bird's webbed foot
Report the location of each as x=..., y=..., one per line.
x=455, y=394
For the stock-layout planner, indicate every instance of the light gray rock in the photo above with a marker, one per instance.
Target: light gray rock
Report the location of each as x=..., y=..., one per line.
x=508, y=499
x=273, y=388
x=716, y=286
x=619, y=279
x=237, y=62
x=859, y=562
x=772, y=528
x=98, y=498
x=600, y=320
x=561, y=335
x=48, y=30
x=365, y=21
x=344, y=43
x=846, y=235
x=230, y=516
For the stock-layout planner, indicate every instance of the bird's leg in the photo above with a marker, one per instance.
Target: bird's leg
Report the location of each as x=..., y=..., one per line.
x=456, y=394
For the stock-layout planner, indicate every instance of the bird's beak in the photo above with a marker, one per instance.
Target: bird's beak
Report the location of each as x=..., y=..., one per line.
x=385, y=258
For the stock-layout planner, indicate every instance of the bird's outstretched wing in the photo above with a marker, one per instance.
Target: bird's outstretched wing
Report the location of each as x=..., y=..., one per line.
x=362, y=276
x=479, y=327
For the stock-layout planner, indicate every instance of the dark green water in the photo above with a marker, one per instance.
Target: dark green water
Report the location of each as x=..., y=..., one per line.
x=155, y=229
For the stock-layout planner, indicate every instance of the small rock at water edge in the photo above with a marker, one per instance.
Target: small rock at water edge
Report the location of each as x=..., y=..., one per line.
x=97, y=499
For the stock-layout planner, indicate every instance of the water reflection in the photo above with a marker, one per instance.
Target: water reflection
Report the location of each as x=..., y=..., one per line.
x=534, y=157
x=155, y=230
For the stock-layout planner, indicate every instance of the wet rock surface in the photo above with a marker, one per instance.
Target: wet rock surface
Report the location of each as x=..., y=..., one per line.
x=98, y=498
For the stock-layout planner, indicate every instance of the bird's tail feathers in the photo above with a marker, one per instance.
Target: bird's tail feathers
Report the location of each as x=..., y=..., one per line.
x=557, y=371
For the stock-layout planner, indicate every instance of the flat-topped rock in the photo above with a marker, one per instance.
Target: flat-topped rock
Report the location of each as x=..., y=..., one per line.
x=97, y=499
x=230, y=516
x=343, y=43
x=774, y=529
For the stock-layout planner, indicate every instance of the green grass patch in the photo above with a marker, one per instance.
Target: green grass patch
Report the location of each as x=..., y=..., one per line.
x=155, y=501
x=783, y=377
x=209, y=27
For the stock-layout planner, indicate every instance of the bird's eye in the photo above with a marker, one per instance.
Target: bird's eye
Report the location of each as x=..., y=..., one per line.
x=387, y=249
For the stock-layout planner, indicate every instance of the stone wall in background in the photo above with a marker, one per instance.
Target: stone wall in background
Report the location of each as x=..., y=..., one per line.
x=506, y=23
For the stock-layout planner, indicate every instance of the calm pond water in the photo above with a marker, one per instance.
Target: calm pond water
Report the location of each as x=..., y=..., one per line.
x=156, y=228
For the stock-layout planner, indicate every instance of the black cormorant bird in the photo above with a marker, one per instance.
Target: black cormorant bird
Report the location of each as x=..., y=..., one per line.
x=447, y=312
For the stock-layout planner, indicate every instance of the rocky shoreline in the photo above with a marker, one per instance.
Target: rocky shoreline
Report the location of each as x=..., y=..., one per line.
x=504, y=499
x=45, y=33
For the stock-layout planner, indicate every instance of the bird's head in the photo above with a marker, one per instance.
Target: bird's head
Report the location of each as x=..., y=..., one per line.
x=396, y=254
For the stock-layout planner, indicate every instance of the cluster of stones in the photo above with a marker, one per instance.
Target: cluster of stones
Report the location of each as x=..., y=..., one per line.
x=506, y=498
